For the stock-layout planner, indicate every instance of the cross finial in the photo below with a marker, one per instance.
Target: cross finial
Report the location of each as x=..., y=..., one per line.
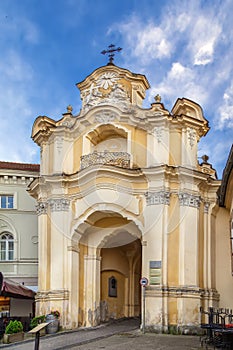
x=111, y=52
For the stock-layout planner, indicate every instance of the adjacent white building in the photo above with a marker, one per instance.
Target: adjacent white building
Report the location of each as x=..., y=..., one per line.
x=18, y=224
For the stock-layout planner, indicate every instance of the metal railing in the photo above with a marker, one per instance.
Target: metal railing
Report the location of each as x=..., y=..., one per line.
x=120, y=159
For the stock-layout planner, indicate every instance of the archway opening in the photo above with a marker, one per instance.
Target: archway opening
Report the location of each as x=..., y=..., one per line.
x=110, y=263
x=120, y=276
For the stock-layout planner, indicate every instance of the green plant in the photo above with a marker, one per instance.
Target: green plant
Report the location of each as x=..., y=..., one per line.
x=37, y=320
x=14, y=327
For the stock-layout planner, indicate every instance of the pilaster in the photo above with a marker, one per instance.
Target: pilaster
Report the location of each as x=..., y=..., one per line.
x=92, y=289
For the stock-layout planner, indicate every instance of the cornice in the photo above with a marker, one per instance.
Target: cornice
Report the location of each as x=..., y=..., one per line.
x=42, y=129
x=145, y=119
x=60, y=294
x=123, y=72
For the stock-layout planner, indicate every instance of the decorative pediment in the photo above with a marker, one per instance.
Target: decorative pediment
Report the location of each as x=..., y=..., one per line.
x=192, y=114
x=42, y=128
x=188, y=108
x=111, y=85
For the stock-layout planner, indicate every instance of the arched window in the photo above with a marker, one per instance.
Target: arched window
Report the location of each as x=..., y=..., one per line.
x=7, y=247
x=112, y=287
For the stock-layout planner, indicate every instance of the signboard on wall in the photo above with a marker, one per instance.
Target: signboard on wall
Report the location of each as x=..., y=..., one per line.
x=155, y=272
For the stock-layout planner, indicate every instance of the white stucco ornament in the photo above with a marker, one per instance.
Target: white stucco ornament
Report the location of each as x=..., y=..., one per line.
x=107, y=80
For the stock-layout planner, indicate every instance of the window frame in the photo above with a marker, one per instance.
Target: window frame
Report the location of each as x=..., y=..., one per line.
x=8, y=196
x=5, y=247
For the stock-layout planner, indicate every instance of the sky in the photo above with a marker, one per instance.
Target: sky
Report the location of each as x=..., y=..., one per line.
x=185, y=49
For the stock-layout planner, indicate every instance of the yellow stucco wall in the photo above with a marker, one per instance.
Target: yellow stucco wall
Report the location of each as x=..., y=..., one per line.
x=172, y=311
x=175, y=148
x=224, y=278
x=115, y=305
x=77, y=153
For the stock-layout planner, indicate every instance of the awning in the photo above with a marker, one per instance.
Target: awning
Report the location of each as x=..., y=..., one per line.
x=15, y=290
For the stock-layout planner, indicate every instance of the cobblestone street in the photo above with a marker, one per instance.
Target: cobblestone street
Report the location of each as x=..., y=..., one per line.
x=124, y=334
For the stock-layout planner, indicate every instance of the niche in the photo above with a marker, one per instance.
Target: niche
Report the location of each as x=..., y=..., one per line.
x=112, y=287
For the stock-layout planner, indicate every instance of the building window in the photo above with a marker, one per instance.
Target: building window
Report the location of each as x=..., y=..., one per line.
x=7, y=247
x=6, y=201
x=112, y=287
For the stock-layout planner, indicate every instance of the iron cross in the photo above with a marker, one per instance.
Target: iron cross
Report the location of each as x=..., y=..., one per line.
x=110, y=51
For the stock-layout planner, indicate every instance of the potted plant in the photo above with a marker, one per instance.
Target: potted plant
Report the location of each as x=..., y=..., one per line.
x=13, y=332
x=37, y=320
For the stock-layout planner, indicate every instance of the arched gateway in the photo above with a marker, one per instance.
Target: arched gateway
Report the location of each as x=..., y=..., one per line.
x=121, y=195
x=110, y=249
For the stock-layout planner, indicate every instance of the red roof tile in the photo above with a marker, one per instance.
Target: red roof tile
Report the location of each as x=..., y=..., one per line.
x=20, y=166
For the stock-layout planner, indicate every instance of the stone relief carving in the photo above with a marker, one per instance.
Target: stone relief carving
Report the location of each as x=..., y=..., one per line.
x=158, y=133
x=59, y=144
x=191, y=136
x=106, y=90
x=68, y=123
x=4, y=225
x=107, y=80
x=105, y=117
x=59, y=204
x=34, y=239
x=41, y=208
x=155, y=198
x=189, y=200
x=206, y=207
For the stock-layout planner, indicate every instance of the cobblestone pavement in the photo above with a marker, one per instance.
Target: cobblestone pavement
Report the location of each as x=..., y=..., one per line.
x=123, y=334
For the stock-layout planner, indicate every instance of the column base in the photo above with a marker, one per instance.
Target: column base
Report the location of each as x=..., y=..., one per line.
x=47, y=301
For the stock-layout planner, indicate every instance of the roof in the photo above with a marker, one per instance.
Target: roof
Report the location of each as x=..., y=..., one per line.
x=20, y=166
x=225, y=178
x=15, y=290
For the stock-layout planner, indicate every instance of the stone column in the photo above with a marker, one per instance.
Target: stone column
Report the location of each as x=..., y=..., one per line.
x=188, y=293
x=55, y=293
x=153, y=253
x=44, y=246
x=189, y=232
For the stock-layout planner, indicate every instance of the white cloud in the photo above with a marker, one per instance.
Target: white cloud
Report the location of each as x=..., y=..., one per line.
x=18, y=28
x=179, y=72
x=145, y=41
x=152, y=43
x=225, y=117
x=31, y=32
x=204, y=36
x=182, y=22
x=180, y=81
x=204, y=55
x=14, y=67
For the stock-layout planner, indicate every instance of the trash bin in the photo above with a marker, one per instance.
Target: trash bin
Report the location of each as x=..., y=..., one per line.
x=53, y=325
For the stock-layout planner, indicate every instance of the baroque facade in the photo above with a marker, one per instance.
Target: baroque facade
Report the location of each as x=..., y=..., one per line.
x=121, y=195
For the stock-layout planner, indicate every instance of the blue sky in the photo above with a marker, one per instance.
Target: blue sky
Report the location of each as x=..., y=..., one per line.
x=185, y=48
